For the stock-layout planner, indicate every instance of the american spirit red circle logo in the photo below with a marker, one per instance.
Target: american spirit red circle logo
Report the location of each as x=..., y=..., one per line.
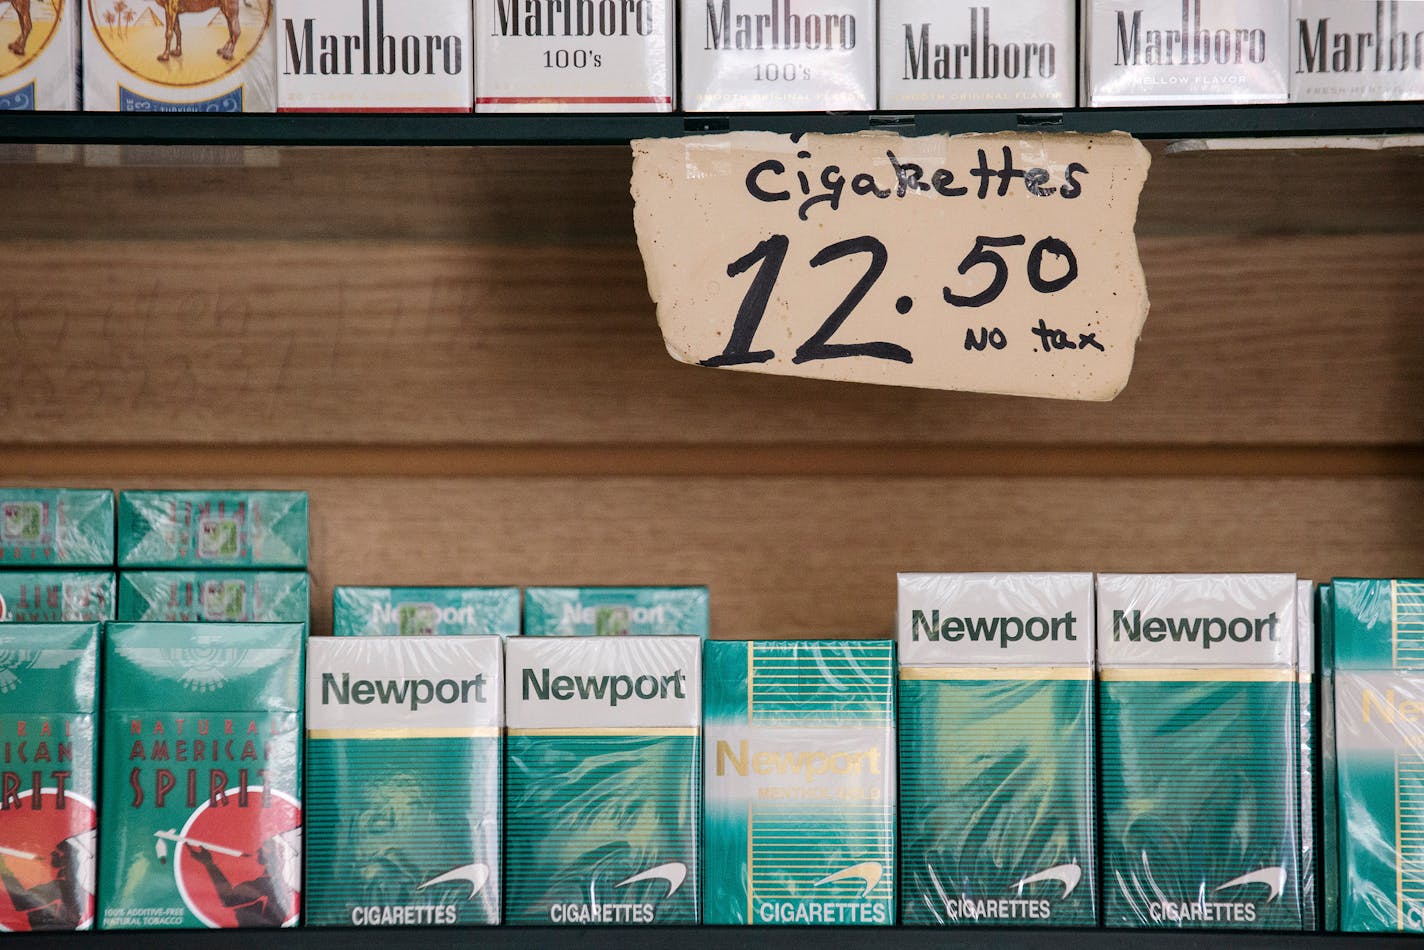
x=47, y=861
x=238, y=863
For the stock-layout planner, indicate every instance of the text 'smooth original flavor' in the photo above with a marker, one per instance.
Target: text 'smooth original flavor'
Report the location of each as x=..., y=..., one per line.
x=778, y=55
x=575, y=57
x=403, y=781
x=56, y=596
x=996, y=750
x=602, y=787
x=799, y=823
x=44, y=527
x=1356, y=50
x=977, y=54
x=202, y=788
x=1379, y=753
x=1200, y=733
x=212, y=529
x=48, y=803
x=215, y=596
x=615, y=611
x=425, y=611
x=39, y=56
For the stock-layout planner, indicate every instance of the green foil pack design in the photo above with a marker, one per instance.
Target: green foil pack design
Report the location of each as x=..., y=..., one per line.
x=799, y=771
x=202, y=791
x=48, y=797
x=615, y=611
x=56, y=596
x=159, y=529
x=215, y=596
x=56, y=527
x=425, y=611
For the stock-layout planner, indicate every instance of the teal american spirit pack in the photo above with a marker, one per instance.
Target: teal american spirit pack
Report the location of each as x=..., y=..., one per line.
x=403, y=789
x=1379, y=752
x=602, y=786
x=1200, y=736
x=48, y=811
x=615, y=611
x=996, y=750
x=215, y=596
x=56, y=596
x=56, y=527
x=237, y=529
x=1309, y=808
x=799, y=772
x=425, y=611
x=202, y=807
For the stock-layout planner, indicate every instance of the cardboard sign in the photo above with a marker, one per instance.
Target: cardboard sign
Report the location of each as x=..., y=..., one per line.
x=1000, y=263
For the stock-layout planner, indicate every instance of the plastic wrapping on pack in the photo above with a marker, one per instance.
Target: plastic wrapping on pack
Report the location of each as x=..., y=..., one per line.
x=799, y=819
x=1200, y=740
x=48, y=797
x=1356, y=50
x=615, y=611
x=215, y=596
x=996, y=750
x=56, y=527
x=56, y=596
x=602, y=780
x=403, y=761
x=425, y=611
x=201, y=804
x=241, y=529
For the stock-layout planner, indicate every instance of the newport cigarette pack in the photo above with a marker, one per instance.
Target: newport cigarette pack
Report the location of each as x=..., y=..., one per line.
x=202, y=798
x=1309, y=806
x=403, y=781
x=56, y=596
x=39, y=55
x=602, y=780
x=1200, y=733
x=237, y=529
x=615, y=611
x=215, y=596
x=425, y=611
x=1356, y=50
x=997, y=796
x=55, y=527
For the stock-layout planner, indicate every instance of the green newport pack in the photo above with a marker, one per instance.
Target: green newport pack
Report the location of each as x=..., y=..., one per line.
x=1200, y=735
x=996, y=750
x=56, y=527
x=799, y=814
x=1379, y=752
x=48, y=811
x=425, y=611
x=602, y=762
x=403, y=781
x=615, y=611
x=1306, y=757
x=215, y=596
x=201, y=745
x=242, y=529
x=56, y=596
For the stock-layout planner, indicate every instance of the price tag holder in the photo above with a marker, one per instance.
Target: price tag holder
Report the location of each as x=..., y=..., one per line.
x=999, y=263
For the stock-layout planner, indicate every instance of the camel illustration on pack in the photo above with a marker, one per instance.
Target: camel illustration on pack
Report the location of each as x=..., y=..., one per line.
x=22, y=10
x=173, y=30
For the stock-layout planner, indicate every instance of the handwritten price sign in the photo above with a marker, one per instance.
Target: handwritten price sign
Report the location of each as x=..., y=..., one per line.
x=998, y=263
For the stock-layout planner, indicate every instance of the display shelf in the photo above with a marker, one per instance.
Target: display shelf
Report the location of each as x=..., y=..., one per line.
x=378, y=129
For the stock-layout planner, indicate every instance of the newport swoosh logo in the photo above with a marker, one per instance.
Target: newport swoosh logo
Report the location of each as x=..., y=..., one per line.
x=869, y=871
x=674, y=872
x=476, y=875
x=1274, y=878
x=1066, y=874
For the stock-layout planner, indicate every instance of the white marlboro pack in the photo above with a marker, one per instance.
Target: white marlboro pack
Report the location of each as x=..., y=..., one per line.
x=778, y=55
x=39, y=55
x=193, y=56
x=575, y=56
x=374, y=56
x=980, y=54
x=1356, y=50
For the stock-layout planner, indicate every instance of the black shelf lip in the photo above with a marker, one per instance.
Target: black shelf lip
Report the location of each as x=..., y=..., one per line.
x=368, y=129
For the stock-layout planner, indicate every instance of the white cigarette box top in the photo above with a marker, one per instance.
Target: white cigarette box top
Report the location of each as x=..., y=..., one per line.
x=1357, y=50
x=39, y=55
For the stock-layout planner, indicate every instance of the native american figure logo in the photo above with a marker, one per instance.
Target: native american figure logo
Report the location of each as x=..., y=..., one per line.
x=47, y=862
x=147, y=37
x=26, y=27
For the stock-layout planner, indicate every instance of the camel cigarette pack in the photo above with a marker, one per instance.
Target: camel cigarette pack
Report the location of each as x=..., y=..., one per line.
x=202, y=797
x=39, y=55
x=615, y=611
x=374, y=56
x=580, y=56
x=1185, y=52
x=602, y=780
x=1200, y=735
x=799, y=818
x=778, y=55
x=979, y=54
x=48, y=812
x=226, y=529
x=56, y=596
x=997, y=794
x=215, y=596
x=172, y=56
x=1379, y=753
x=403, y=765
x=425, y=611
x=1309, y=807
x=1357, y=50
x=48, y=527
